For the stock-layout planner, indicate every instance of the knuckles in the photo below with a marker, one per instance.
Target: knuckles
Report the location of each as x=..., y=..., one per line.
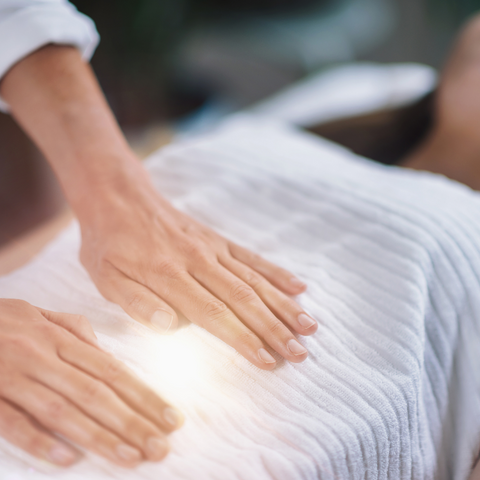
x=136, y=302
x=277, y=329
x=192, y=249
x=21, y=346
x=247, y=256
x=50, y=329
x=81, y=321
x=55, y=410
x=169, y=269
x=242, y=293
x=200, y=251
x=112, y=370
x=214, y=310
x=93, y=391
x=151, y=399
x=9, y=381
x=255, y=258
x=253, y=279
x=96, y=436
x=286, y=304
x=132, y=423
x=248, y=339
x=11, y=421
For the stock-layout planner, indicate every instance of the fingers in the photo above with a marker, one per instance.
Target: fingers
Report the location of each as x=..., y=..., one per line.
x=18, y=428
x=197, y=304
x=282, y=306
x=58, y=415
x=125, y=384
x=209, y=308
x=103, y=406
x=139, y=302
x=247, y=306
x=61, y=382
x=76, y=324
x=277, y=276
x=207, y=311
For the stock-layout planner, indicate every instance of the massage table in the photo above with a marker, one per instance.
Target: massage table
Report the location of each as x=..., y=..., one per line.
x=391, y=388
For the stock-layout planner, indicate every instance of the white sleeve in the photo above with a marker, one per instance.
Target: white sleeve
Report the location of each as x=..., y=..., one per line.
x=26, y=25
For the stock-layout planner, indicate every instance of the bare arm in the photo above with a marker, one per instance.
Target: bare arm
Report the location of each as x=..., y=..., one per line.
x=141, y=253
x=54, y=96
x=453, y=147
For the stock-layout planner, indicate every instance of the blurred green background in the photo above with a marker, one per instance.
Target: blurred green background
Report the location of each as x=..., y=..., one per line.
x=160, y=60
x=173, y=65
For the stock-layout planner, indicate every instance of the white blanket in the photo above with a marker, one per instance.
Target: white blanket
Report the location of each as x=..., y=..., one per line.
x=391, y=389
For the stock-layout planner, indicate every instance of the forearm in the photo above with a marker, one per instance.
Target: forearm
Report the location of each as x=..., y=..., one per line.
x=139, y=250
x=449, y=154
x=453, y=146
x=55, y=97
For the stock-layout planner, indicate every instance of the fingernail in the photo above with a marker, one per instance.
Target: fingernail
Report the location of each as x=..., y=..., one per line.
x=172, y=417
x=295, y=348
x=295, y=282
x=128, y=453
x=305, y=321
x=62, y=455
x=157, y=448
x=265, y=357
x=162, y=320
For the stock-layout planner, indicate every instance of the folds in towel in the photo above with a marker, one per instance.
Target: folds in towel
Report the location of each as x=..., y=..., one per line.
x=392, y=258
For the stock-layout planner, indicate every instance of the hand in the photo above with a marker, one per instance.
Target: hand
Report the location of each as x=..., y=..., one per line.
x=141, y=253
x=155, y=261
x=55, y=380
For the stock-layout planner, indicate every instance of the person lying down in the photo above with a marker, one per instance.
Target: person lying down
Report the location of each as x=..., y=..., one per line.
x=390, y=388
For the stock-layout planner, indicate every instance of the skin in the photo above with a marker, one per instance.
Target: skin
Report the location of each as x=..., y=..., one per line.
x=476, y=473
x=155, y=261
x=56, y=380
x=142, y=253
x=453, y=146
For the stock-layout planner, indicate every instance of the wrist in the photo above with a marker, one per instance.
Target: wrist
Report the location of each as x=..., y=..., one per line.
x=115, y=183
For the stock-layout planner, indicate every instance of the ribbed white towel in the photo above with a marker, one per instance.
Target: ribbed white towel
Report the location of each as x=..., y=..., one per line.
x=391, y=389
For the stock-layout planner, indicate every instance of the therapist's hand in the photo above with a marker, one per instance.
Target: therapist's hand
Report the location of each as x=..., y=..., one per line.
x=55, y=380
x=142, y=253
x=155, y=261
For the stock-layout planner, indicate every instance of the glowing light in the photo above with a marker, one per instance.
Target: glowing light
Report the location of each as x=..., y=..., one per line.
x=178, y=361
x=185, y=369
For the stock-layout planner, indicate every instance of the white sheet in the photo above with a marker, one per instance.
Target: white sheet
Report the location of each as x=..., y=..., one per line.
x=348, y=90
x=392, y=258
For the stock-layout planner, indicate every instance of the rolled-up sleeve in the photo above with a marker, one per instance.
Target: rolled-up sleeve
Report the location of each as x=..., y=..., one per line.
x=26, y=25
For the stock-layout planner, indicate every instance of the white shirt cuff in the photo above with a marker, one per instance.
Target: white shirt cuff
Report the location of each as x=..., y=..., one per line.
x=27, y=29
